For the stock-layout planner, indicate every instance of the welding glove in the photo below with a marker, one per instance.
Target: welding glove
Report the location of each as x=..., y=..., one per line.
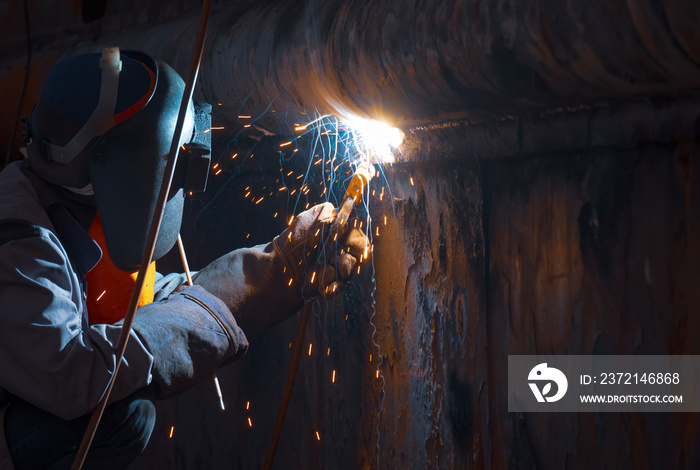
x=312, y=254
x=266, y=284
x=190, y=334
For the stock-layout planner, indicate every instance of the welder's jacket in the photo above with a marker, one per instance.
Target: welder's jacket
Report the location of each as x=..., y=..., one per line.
x=52, y=358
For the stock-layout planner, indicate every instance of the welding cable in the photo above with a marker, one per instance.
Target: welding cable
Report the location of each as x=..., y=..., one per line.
x=152, y=234
x=289, y=385
x=349, y=202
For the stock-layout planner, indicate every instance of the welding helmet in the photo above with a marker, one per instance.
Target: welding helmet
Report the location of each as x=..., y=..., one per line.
x=102, y=127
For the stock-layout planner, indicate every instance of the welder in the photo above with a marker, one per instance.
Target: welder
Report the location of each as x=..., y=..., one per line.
x=75, y=214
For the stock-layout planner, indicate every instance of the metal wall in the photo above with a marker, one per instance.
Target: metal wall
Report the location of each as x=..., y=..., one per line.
x=590, y=249
x=546, y=202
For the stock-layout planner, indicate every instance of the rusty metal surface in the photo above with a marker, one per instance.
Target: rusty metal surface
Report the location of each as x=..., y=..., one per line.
x=593, y=254
x=418, y=63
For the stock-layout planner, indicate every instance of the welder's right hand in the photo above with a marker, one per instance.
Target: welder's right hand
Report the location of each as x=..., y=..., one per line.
x=266, y=284
x=312, y=254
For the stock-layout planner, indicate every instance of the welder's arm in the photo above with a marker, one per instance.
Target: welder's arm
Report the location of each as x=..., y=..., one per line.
x=266, y=284
x=191, y=333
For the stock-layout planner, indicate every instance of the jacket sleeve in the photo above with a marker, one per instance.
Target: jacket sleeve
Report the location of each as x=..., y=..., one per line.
x=191, y=334
x=49, y=356
x=254, y=284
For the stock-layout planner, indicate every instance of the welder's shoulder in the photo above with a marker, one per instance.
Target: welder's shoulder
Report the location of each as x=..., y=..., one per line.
x=21, y=212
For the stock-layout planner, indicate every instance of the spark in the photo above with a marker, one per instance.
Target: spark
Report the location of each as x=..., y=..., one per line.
x=290, y=220
x=377, y=373
x=217, y=128
x=172, y=430
x=412, y=184
x=333, y=377
x=313, y=276
x=290, y=281
x=329, y=352
x=219, y=171
x=384, y=220
x=286, y=143
x=216, y=165
x=310, y=347
x=247, y=405
x=246, y=126
x=244, y=117
x=234, y=155
x=318, y=436
x=250, y=422
x=100, y=296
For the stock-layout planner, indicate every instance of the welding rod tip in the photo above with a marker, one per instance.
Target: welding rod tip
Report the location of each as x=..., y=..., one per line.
x=218, y=392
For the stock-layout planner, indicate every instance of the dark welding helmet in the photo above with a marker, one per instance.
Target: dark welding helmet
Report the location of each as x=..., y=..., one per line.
x=102, y=127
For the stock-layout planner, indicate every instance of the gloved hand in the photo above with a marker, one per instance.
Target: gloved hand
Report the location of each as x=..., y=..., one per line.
x=262, y=285
x=190, y=334
x=312, y=254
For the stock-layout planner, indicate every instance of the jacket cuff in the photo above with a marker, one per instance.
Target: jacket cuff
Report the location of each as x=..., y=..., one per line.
x=219, y=310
